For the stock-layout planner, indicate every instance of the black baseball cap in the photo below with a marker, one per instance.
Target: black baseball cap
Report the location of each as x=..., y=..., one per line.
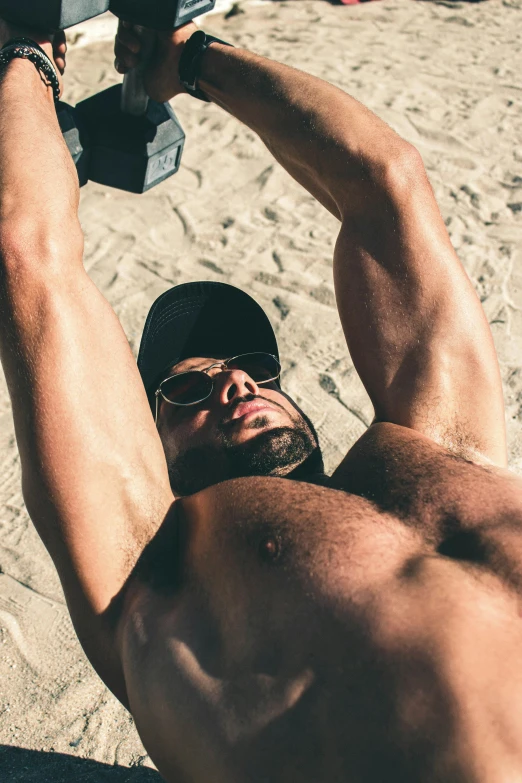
x=201, y=319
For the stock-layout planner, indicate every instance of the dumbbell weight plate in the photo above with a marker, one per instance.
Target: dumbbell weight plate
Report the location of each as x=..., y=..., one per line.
x=76, y=138
x=160, y=14
x=127, y=152
x=51, y=14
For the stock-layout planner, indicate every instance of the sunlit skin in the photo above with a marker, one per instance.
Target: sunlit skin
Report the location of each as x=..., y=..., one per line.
x=258, y=625
x=225, y=409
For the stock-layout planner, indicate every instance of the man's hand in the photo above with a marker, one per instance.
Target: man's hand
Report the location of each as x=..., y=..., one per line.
x=55, y=48
x=161, y=75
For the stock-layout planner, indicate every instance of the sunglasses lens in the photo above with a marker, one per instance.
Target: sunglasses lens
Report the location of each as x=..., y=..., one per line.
x=187, y=388
x=261, y=367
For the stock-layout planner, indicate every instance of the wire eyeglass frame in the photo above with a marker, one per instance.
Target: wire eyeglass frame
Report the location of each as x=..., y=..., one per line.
x=224, y=366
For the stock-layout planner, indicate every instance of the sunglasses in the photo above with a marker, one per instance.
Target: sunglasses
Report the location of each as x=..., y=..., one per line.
x=194, y=386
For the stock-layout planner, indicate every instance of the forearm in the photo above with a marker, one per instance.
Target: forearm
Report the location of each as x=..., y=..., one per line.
x=329, y=142
x=38, y=183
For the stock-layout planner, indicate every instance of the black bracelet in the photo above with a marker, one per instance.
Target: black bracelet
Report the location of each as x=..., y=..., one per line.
x=27, y=49
x=190, y=62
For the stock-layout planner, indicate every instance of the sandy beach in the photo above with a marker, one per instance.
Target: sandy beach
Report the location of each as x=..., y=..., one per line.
x=447, y=76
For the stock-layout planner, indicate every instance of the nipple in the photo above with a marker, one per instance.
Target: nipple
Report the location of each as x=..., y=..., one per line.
x=270, y=548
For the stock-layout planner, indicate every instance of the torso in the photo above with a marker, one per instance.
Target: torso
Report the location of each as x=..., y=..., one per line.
x=365, y=631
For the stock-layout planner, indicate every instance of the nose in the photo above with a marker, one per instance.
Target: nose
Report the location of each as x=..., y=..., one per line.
x=234, y=383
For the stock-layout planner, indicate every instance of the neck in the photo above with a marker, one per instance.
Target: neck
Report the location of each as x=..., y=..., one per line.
x=311, y=470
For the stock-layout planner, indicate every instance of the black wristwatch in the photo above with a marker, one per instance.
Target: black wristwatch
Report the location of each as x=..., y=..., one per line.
x=190, y=62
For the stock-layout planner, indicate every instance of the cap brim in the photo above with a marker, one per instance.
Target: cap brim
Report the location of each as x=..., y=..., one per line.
x=201, y=319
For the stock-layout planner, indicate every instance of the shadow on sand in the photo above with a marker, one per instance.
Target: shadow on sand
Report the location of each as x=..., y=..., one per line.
x=34, y=766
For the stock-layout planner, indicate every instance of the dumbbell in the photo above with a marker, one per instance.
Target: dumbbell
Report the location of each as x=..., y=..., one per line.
x=134, y=143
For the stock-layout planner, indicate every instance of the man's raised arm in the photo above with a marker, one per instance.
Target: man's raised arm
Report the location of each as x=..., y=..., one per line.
x=94, y=475
x=414, y=326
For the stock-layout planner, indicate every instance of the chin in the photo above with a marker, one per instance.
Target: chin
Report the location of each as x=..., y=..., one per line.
x=261, y=449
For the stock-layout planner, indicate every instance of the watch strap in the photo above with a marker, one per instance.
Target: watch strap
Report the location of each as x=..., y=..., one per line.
x=190, y=62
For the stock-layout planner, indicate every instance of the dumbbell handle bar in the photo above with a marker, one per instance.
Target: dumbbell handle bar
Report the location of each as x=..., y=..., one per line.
x=134, y=98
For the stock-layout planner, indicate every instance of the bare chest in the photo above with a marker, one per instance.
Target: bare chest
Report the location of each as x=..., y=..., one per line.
x=396, y=497
x=350, y=616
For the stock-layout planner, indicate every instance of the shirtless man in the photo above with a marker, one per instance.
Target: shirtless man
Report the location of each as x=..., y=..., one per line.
x=361, y=627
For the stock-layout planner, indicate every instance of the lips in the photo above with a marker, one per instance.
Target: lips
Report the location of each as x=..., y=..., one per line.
x=253, y=406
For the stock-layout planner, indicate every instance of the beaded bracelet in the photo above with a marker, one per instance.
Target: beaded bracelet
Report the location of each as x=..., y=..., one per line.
x=27, y=49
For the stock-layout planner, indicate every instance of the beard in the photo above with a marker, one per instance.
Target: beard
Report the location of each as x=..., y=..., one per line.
x=280, y=451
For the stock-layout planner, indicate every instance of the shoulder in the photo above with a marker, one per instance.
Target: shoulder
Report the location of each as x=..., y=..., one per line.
x=390, y=462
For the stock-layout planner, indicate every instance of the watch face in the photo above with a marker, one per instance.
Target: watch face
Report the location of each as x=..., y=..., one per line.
x=198, y=38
